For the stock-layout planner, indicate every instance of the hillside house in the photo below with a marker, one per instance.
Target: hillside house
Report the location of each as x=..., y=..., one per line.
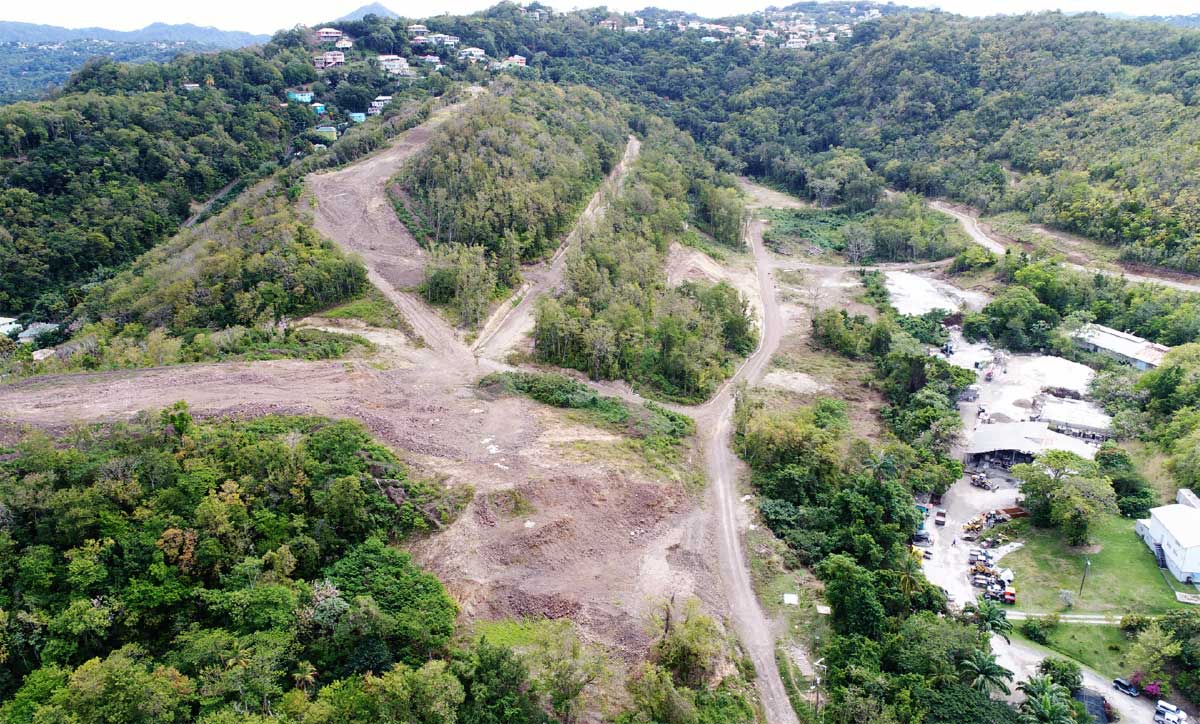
x=329, y=35
x=472, y=54
x=300, y=96
x=1172, y=533
x=1124, y=347
x=610, y=24
x=514, y=61
x=420, y=41
x=317, y=108
x=448, y=41
x=430, y=58
x=417, y=29
x=35, y=330
x=189, y=87
x=378, y=104
x=332, y=58
x=394, y=64
x=9, y=325
x=329, y=133
x=358, y=117
x=344, y=44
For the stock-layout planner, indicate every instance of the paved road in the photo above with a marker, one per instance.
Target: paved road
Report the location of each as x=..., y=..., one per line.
x=1023, y=659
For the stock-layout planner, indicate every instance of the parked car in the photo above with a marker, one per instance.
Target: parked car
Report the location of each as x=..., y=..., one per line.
x=1125, y=687
x=939, y=518
x=1167, y=713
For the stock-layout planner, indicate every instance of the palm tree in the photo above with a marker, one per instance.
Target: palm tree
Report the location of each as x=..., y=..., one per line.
x=883, y=466
x=1046, y=709
x=305, y=676
x=1037, y=686
x=910, y=574
x=990, y=618
x=981, y=672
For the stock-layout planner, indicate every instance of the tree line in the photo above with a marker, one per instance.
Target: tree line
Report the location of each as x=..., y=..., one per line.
x=617, y=317
x=1041, y=98
x=497, y=186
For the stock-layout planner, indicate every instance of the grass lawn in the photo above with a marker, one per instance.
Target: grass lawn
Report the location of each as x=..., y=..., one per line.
x=1101, y=648
x=1124, y=577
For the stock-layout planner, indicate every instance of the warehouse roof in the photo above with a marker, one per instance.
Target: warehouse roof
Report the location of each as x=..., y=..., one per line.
x=1122, y=343
x=1031, y=438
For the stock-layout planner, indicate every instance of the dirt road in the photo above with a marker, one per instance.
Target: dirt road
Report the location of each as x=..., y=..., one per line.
x=716, y=418
x=1023, y=659
x=354, y=210
x=970, y=223
x=509, y=323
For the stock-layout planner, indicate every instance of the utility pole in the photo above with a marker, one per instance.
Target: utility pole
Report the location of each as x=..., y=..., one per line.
x=1087, y=565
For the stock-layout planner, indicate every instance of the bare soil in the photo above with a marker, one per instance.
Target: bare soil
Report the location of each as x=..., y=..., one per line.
x=609, y=535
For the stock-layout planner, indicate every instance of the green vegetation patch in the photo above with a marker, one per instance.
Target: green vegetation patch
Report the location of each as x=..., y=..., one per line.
x=1124, y=577
x=655, y=424
x=817, y=227
x=899, y=229
x=186, y=562
x=371, y=308
x=618, y=317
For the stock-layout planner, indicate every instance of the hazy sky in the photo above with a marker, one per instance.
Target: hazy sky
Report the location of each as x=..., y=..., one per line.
x=264, y=16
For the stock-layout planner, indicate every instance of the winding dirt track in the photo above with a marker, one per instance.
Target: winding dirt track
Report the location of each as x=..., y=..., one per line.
x=969, y=218
x=425, y=407
x=715, y=421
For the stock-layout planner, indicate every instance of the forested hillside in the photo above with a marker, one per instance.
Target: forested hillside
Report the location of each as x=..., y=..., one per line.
x=242, y=568
x=94, y=178
x=31, y=71
x=617, y=317
x=505, y=181
x=1088, y=123
x=111, y=167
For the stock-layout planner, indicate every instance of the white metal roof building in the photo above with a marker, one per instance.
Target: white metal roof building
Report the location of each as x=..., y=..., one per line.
x=1173, y=534
x=1074, y=416
x=1128, y=348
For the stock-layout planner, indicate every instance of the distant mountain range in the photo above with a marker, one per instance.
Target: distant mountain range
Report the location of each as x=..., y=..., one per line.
x=155, y=32
x=372, y=9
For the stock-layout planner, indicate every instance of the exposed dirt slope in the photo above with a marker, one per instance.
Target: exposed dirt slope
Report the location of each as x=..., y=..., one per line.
x=353, y=209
